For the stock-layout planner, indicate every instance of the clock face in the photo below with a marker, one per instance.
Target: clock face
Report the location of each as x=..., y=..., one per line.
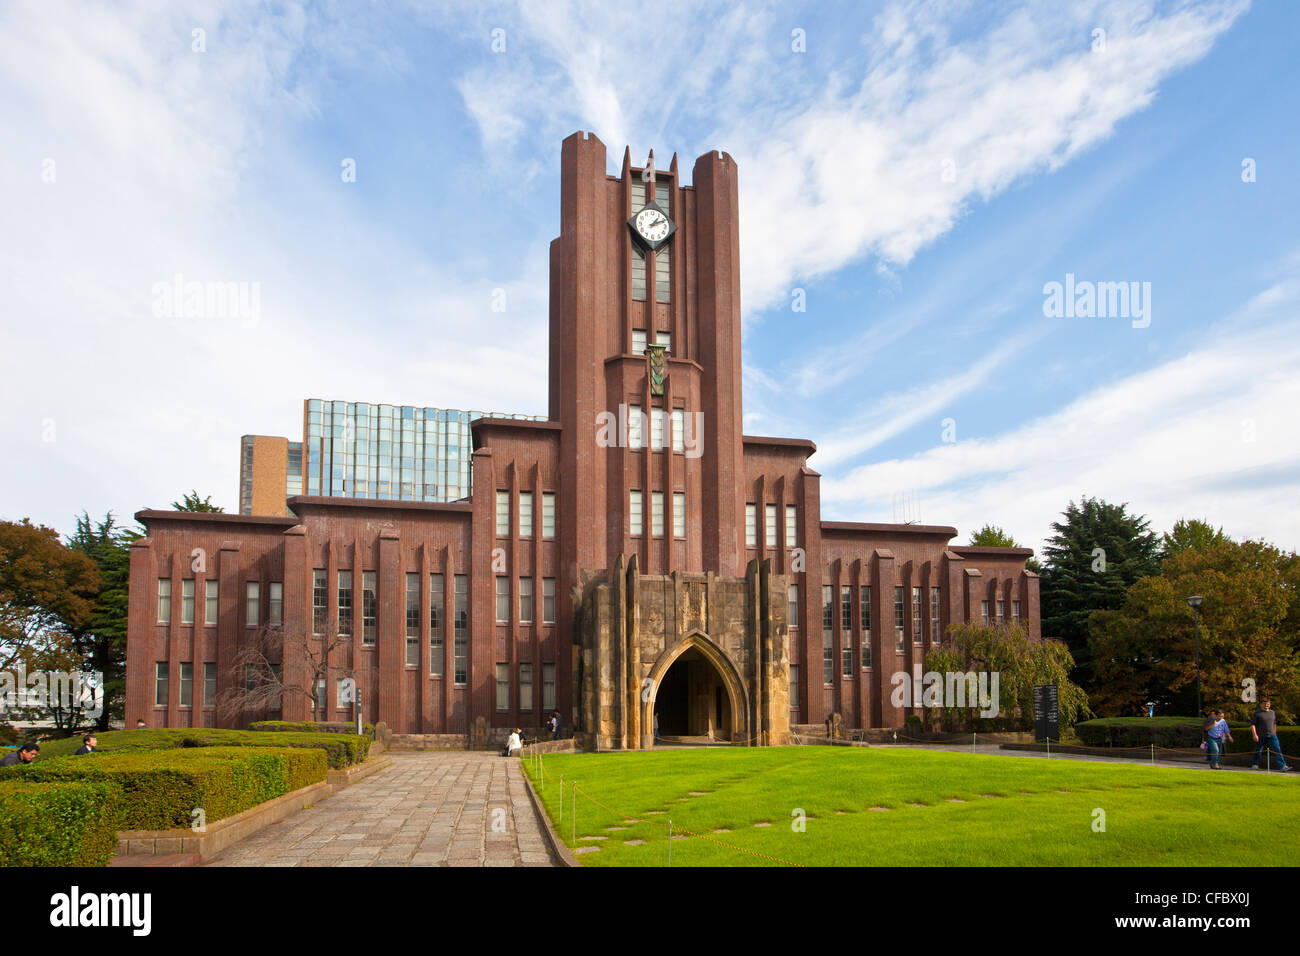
x=652, y=224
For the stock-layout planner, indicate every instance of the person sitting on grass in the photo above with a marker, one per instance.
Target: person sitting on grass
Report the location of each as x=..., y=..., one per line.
x=23, y=755
x=1263, y=727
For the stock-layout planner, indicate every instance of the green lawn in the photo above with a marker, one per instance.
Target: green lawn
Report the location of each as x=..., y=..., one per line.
x=939, y=809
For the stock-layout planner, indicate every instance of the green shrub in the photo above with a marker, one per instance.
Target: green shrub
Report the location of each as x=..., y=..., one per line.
x=342, y=750
x=58, y=824
x=312, y=726
x=162, y=788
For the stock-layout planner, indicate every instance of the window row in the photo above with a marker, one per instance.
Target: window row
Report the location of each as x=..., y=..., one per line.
x=253, y=616
x=770, y=525
x=525, y=600
x=525, y=514
x=665, y=430
x=526, y=687
x=863, y=633
x=636, y=514
x=1001, y=611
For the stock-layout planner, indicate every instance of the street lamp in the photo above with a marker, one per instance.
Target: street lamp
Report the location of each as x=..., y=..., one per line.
x=1195, y=602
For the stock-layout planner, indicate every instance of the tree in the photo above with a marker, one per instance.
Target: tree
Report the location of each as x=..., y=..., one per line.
x=192, y=502
x=45, y=590
x=1095, y=555
x=264, y=682
x=1190, y=533
x=101, y=638
x=1021, y=665
x=991, y=536
x=1249, y=632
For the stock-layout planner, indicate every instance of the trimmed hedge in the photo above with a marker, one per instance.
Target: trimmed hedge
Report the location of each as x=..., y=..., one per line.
x=312, y=726
x=342, y=750
x=162, y=788
x=1173, y=733
x=58, y=824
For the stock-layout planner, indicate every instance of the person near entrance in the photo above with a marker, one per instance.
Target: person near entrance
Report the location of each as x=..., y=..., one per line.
x=656, y=726
x=514, y=745
x=1263, y=727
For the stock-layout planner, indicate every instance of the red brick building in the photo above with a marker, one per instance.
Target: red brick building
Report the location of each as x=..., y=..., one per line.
x=636, y=558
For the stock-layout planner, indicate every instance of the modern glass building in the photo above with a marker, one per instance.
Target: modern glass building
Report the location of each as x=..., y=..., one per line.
x=363, y=450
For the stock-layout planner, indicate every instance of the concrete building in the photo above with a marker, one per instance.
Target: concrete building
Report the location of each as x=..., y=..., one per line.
x=633, y=557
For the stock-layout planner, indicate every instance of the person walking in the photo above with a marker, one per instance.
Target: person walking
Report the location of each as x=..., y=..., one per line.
x=1218, y=736
x=1263, y=728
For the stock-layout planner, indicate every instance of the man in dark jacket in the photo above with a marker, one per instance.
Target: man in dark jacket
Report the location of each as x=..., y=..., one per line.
x=89, y=744
x=1263, y=727
x=23, y=755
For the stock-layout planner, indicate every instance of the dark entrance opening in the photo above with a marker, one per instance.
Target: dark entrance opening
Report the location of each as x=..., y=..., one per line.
x=692, y=704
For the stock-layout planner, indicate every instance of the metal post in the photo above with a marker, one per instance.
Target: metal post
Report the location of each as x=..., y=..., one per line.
x=972, y=742
x=575, y=813
x=561, y=819
x=356, y=707
x=1153, y=753
x=670, y=842
x=1049, y=747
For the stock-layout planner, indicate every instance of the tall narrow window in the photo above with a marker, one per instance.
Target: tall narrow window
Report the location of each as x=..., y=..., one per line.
x=846, y=608
x=187, y=601
x=345, y=603
x=936, y=625
x=791, y=526
x=548, y=687
x=525, y=600
x=369, y=608
x=319, y=599
x=864, y=610
x=412, y=619
x=187, y=685
x=160, y=680
x=657, y=429
x=635, y=435
x=792, y=596
x=435, y=624
x=916, y=615
x=638, y=341
x=252, y=603
x=769, y=526
x=525, y=686
x=1002, y=613
x=663, y=273
x=828, y=634
x=461, y=647
x=984, y=613
x=751, y=526
x=503, y=687
x=666, y=340
x=276, y=606
x=503, y=600
x=638, y=278
x=679, y=514
x=794, y=686
x=634, y=515
x=164, y=600
x=1015, y=613
x=899, y=612
x=209, y=685
x=679, y=429
x=503, y=514
x=525, y=514
x=210, y=603
x=657, y=513
x=548, y=600
x=548, y=514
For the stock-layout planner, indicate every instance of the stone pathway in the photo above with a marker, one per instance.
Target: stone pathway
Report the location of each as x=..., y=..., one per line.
x=426, y=809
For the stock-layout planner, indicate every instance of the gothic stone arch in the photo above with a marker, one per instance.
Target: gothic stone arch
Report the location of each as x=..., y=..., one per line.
x=738, y=698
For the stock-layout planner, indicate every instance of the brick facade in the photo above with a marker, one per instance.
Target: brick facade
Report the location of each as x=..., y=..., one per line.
x=636, y=608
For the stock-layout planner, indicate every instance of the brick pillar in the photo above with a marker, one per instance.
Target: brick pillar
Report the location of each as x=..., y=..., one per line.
x=296, y=611
x=140, y=634
x=888, y=660
x=390, y=651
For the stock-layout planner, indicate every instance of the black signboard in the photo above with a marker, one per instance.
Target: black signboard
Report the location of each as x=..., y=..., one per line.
x=1047, y=714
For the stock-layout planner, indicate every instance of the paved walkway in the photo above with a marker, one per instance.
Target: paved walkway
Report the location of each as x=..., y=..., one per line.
x=426, y=809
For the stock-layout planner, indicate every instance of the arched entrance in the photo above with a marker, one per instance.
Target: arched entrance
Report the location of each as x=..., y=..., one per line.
x=697, y=696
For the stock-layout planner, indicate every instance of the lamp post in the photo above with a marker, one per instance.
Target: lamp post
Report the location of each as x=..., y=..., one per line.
x=1195, y=602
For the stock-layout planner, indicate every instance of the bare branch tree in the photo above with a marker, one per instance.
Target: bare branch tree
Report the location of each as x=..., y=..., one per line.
x=262, y=683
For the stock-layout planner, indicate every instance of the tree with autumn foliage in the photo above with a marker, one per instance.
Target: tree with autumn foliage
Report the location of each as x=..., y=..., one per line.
x=1249, y=632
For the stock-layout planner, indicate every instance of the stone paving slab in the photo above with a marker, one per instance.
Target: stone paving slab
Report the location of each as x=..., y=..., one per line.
x=428, y=808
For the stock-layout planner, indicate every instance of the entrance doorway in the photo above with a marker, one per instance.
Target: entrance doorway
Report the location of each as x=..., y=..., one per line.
x=692, y=704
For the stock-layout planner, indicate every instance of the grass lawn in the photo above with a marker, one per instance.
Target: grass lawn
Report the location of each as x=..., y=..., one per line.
x=893, y=807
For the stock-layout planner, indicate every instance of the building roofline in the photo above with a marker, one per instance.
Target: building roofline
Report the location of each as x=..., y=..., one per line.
x=488, y=421
x=781, y=442
x=461, y=506
x=879, y=528
x=990, y=552
x=212, y=517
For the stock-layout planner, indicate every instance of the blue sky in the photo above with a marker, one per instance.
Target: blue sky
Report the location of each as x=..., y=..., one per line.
x=919, y=171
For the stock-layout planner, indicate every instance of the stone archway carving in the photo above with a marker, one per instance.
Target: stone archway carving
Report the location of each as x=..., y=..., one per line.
x=722, y=663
